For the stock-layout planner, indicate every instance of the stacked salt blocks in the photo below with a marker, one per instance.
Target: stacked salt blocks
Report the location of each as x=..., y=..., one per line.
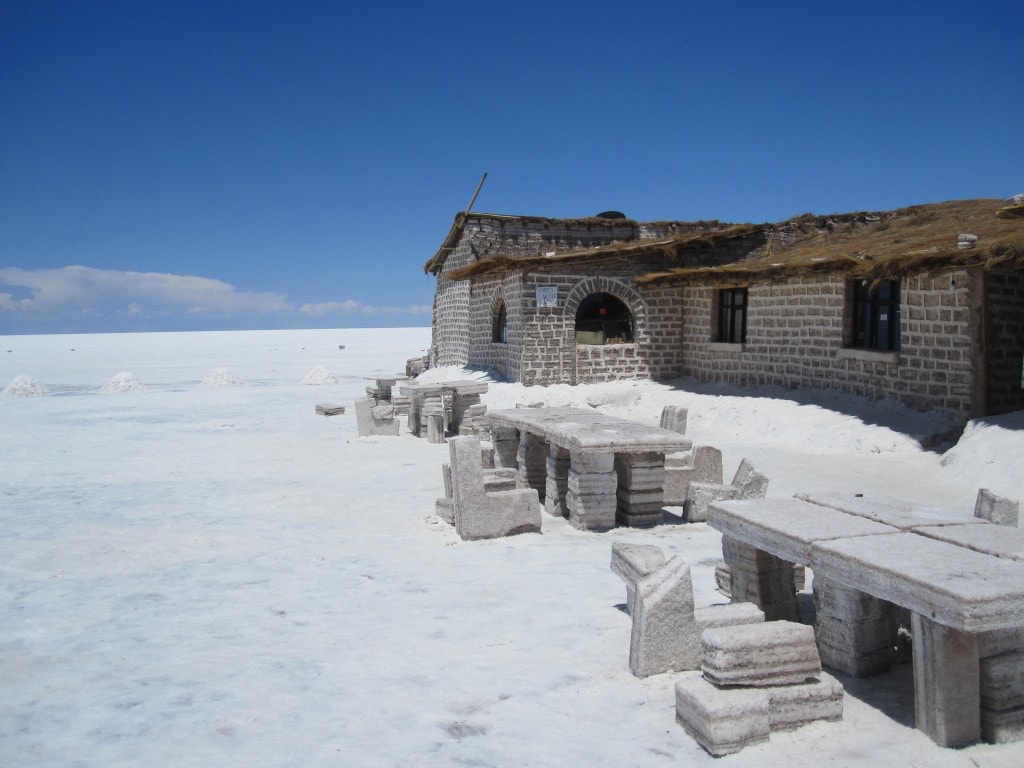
x=557, y=482
x=1002, y=686
x=432, y=419
x=755, y=679
x=473, y=421
x=639, y=490
x=759, y=577
x=856, y=632
x=591, y=492
x=506, y=446
x=531, y=458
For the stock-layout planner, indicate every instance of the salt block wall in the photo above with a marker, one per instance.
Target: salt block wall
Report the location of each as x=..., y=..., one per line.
x=797, y=330
x=450, y=322
x=951, y=356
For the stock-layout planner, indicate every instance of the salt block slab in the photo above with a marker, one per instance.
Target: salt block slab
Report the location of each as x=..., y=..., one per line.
x=631, y=562
x=1001, y=641
x=950, y=585
x=330, y=409
x=722, y=720
x=588, y=430
x=772, y=653
x=788, y=527
x=898, y=513
x=991, y=539
x=1002, y=681
x=791, y=706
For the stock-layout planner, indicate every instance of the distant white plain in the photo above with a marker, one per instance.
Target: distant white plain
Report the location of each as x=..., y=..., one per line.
x=198, y=576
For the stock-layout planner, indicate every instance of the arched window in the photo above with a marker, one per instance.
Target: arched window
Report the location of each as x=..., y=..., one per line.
x=603, y=319
x=499, y=324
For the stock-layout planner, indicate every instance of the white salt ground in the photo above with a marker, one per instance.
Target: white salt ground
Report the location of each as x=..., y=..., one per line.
x=197, y=577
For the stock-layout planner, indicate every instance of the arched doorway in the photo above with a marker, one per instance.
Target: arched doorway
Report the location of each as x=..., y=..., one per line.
x=602, y=318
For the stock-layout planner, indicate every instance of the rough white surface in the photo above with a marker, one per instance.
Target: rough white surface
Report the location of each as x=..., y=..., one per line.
x=25, y=386
x=220, y=378
x=320, y=375
x=123, y=382
x=196, y=577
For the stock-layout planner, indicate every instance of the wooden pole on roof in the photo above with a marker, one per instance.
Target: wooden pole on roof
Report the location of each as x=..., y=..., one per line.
x=478, y=186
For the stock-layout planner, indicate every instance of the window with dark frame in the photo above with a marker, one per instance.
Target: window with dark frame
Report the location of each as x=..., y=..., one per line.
x=499, y=326
x=603, y=319
x=732, y=315
x=876, y=315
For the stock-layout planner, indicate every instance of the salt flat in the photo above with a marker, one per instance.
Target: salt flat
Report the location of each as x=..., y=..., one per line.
x=196, y=576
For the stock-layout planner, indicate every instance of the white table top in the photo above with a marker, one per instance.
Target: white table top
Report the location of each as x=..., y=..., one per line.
x=945, y=580
x=590, y=431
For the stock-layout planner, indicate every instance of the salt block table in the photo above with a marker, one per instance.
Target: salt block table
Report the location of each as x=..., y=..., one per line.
x=381, y=391
x=463, y=395
x=597, y=470
x=892, y=550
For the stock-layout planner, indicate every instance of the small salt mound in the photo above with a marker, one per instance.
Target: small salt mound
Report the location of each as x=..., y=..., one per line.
x=123, y=382
x=25, y=386
x=320, y=375
x=221, y=377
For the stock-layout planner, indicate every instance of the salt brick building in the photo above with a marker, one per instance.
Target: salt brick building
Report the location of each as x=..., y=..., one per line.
x=924, y=305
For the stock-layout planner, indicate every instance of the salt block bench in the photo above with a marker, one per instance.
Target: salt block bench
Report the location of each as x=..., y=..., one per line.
x=597, y=470
x=375, y=419
x=482, y=514
x=701, y=464
x=747, y=483
x=666, y=627
x=463, y=395
x=632, y=562
x=957, y=596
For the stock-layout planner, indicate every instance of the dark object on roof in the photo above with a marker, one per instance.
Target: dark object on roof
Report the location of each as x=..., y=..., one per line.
x=610, y=215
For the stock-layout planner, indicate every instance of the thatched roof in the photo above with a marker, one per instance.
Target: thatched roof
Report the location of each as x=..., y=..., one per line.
x=436, y=262
x=873, y=245
x=670, y=249
x=922, y=238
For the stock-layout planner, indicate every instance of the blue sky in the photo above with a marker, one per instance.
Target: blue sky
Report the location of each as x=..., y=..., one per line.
x=208, y=165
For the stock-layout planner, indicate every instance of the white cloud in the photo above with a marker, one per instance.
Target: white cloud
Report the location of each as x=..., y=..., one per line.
x=104, y=292
x=81, y=298
x=352, y=307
